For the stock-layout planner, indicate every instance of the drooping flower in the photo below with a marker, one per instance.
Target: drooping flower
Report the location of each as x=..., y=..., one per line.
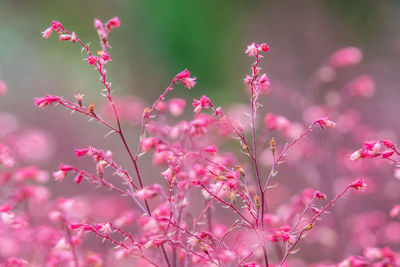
x=46, y=33
x=46, y=100
x=358, y=184
x=184, y=78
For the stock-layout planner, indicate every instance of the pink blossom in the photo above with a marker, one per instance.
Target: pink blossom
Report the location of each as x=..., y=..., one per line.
x=78, y=178
x=363, y=86
x=211, y=149
x=176, y=106
x=218, y=111
x=31, y=172
x=5, y=208
x=358, y=184
x=325, y=122
x=387, y=154
x=148, y=143
x=263, y=83
x=264, y=47
x=65, y=168
x=388, y=143
x=346, y=57
x=395, y=211
x=55, y=25
x=149, y=192
x=75, y=225
x=81, y=152
x=106, y=56
x=271, y=219
x=182, y=75
x=252, y=50
x=113, y=23
x=46, y=100
x=64, y=37
x=319, y=195
x=272, y=122
x=46, y=33
x=283, y=233
x=97, y=24
x=92, y=60
x=356, y=155
x=184, y=78
x=198, y=105
x=74, y=38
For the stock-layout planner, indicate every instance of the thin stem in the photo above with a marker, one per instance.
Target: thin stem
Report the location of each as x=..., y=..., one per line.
x=311, y=223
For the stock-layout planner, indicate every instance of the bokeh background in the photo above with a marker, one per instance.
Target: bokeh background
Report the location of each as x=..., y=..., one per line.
x=158, y=38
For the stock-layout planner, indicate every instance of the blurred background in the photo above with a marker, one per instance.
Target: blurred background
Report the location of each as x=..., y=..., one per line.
x=159, y=38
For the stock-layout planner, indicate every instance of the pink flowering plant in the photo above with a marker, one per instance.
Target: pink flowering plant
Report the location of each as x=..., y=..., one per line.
x=214, y=202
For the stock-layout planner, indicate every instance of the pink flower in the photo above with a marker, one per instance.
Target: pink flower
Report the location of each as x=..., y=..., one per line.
x=55, y=25
x=65, y=168
x=75, y=225
x=149, y=192
x=388, y=143
x=283, y=233
x=363, y=86
x=325, y=122
x=346, y=57
x=211, y=149
x=31, y=172
x=184, y=78
x=279, y=123
x=387, y=154
x=78, y=178
x=356, y=155
x=252, y=50
x=148, y=143
x=264, y=47
x=319, y=195
x=81, y=152
x=65, y=37
x=98, y=24
x=46, y=33
x=59, y=175
x=358, y=184
x=46, y=100
x=263, y=83
x=92, y=60
x=395, y=211
x=182, y=75
x=218, y=111
x=113, y=23
x=74, y=38
x=204, y=102
x=106, y=56
x=176, y=106
x=5, y=208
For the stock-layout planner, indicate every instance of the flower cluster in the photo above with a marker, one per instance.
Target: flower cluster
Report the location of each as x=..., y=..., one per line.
x=199, y=204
